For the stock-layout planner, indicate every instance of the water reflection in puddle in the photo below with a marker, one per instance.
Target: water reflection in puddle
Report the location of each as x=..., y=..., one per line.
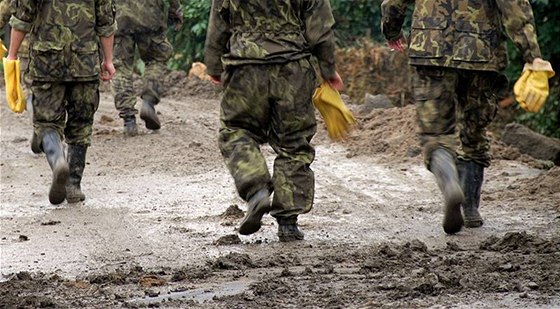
x=199, y=295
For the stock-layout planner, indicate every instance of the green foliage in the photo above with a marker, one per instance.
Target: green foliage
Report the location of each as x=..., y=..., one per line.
x=546, y=121
x=356, y=19
x=188, y=41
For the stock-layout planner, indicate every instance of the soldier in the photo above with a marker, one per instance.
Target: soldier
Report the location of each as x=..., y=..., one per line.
x=64, y=68
x=6, y=10
x=260, y=51
x=144, y=27
x=458, y=50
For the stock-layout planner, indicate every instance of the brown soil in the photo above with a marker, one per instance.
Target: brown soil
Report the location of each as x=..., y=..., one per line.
x=158, y=226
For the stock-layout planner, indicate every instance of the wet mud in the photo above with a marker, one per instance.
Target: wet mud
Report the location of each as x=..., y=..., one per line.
x=158, y=226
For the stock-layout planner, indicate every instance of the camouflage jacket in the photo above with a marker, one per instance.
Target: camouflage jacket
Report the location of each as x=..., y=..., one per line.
x=64, y=36
x=141, y=16
x=5, y=12
x=273, y=31
x=464, y=34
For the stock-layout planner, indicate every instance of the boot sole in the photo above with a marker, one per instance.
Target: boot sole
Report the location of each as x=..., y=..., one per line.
x=252, y=221
x=453, y=219
x=74, y=198
x=473, y=223
x=150, y=118
x=289, y=238
x=57, y=192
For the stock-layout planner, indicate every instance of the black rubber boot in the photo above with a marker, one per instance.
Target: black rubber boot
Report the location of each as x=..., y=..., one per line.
x=288, y=230
x=77, y=162
x=442, y=165
x=35, y=144
x=257, y=206
x=52, y=146
x=148, y=113
x=471, y=176
x=130, y=128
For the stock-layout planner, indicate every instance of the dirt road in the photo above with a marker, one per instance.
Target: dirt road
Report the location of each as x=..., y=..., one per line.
x=158, y=226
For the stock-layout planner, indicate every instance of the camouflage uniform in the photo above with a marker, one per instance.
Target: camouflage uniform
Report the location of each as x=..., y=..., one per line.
x=262, y=50
x=459, y=51
x=6, y=10
x=64, y=62
x=144, y=26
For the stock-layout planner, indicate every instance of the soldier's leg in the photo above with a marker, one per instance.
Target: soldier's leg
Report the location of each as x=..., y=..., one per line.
x=293, y=126
x=244, y=122
x=123, y=88
x=49, y=117
x=24, y=64
x=82, y=103
x=478, y=106
x=155, y=51
x=435, y=99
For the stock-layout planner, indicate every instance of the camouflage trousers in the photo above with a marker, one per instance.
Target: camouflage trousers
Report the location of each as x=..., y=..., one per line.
x=454, y=107
x=270, y=104
x=154, y=50
x=66, y=107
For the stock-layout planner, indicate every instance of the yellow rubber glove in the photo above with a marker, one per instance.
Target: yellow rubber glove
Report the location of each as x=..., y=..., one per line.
x=531, y=89
x=338, y=119
x=3, y=48
x=14, y=91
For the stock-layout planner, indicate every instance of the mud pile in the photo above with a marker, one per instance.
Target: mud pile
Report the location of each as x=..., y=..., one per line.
x=375, y=69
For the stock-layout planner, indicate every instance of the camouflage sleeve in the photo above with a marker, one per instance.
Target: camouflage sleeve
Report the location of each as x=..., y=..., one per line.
x=25, y=11
x=174, y=5
x=518, y=20
x=392, y=17
x=106, y=24
x=217, y=38
x=5, y=12
x=319, y=20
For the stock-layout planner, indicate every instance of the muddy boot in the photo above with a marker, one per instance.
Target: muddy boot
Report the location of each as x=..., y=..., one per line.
x=288, y=230
x=257, y=206
x=148, y=113
x=35, y=144
x=471, y=175
x=130, y=128
x=77, y=162
x=52, y=146
x=442, y=165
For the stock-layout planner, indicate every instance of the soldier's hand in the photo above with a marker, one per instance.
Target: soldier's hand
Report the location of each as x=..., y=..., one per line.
x=107, y=71
x=398, y=44
x=176, y=18
x=336, y=82
x=216, y=80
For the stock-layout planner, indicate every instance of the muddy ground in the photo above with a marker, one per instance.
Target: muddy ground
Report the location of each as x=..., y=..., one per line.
x=158, y=226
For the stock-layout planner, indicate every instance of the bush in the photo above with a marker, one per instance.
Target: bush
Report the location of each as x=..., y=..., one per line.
x=188, y=41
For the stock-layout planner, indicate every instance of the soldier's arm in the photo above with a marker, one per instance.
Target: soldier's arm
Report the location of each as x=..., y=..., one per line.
x=392, y=18
x=105, y=27
x=175, y=14
x=174, y=5
x=318, y=18
x=519, y=23
x=105, y=23
x=217, y=38
x=21, y=23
